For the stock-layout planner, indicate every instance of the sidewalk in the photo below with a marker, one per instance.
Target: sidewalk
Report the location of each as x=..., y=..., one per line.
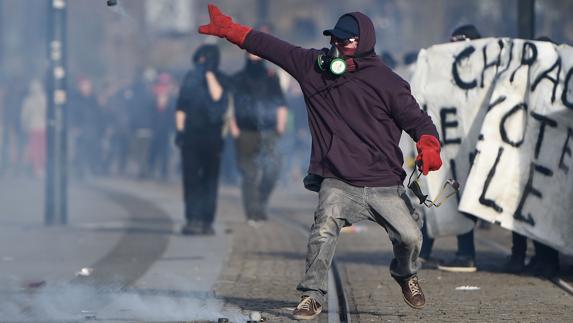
x=125, y=236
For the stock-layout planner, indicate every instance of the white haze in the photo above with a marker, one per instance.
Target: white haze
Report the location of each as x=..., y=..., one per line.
x=68, y=301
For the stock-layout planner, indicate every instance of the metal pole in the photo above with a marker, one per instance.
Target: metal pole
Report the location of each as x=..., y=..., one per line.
x=2, y=46
x=526, y=19
x=56, y=163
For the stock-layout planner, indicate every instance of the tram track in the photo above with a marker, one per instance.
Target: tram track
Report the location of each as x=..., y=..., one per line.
x=338, y=306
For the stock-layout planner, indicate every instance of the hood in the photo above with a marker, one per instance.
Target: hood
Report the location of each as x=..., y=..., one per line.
x=211, y=54
x=367, y=35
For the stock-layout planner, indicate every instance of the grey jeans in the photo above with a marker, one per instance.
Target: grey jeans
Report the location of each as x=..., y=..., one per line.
x=340, y=205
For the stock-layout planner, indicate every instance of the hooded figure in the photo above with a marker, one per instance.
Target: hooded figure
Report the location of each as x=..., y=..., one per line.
x=259, y=120
x=207, y=57
x=356, y=117
x=201, y=106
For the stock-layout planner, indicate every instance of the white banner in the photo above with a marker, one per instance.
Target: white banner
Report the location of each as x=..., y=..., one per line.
x=504, y=111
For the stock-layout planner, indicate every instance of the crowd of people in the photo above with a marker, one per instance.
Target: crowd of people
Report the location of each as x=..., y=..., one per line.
x=205, y=127
x=110, y=131
x=119, y=129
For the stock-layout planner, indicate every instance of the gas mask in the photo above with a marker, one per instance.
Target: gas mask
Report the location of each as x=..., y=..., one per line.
x=333, y=61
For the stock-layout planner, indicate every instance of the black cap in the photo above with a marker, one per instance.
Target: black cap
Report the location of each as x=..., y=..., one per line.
x=465, y=32
x=346, y=27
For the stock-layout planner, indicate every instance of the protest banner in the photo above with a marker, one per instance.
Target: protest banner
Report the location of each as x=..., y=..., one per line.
x=504, y=112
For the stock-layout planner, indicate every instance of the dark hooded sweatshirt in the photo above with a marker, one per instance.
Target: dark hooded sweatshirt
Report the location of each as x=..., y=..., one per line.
x=356, y=119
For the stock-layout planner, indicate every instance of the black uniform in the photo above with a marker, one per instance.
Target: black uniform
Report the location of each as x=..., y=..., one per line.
x=201, y=141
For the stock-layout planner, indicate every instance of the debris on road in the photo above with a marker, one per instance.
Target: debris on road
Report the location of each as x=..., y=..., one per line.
x=85, y=272
x=467, y=288
x=88, y=315
x=255, y=316
x=36, y=284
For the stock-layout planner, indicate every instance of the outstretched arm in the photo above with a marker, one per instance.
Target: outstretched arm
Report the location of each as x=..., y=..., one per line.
x=295, y=60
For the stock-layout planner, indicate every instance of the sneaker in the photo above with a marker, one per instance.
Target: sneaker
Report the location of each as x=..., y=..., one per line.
x=307, y=309
x=459, y=265
x=191, y=229
x=413, y=295
x=542, y=269
x=208, y=230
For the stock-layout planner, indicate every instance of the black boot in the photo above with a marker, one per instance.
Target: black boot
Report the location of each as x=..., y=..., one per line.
x=514, y=265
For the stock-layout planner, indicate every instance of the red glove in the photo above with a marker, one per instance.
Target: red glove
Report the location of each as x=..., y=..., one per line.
x=223, y=26
x=428, y=153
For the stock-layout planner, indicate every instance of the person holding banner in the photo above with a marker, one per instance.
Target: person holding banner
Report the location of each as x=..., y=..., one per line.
x=358, y=108
x=545, y=262
x=464, y=260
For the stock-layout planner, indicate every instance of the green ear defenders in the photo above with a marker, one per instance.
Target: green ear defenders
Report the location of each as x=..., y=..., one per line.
x=332, y=62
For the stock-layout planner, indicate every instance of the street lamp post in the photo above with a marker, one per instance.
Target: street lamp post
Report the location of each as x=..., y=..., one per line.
x=56, y=163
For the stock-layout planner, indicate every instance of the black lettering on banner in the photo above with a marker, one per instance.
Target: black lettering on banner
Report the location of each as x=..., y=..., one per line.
x=568, y=87
x=506, y=68
x=530, y=190
x=565, y=151
x=455, y=176
x=472, y=158
x=466, y=53
x=502, y=127
x=448, y=124
x=544, y=121
x=487, y=65
x=545, y=75
x=526, y=60
x=482, y=199
x=425, y=107
x=496, y=102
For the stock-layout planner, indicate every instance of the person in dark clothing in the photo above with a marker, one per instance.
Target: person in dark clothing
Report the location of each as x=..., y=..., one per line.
x=13, y=136
x=86, y=119
x=162, y=127
x=141, y=122
x=388, y=59
x=259, y=119
x=119, y=106
x=357, y=109
x=464, y=261
x=199, y=119
x=545, y=261
x=297, y=145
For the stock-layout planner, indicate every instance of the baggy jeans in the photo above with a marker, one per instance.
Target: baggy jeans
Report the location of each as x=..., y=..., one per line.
x=340, y=205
